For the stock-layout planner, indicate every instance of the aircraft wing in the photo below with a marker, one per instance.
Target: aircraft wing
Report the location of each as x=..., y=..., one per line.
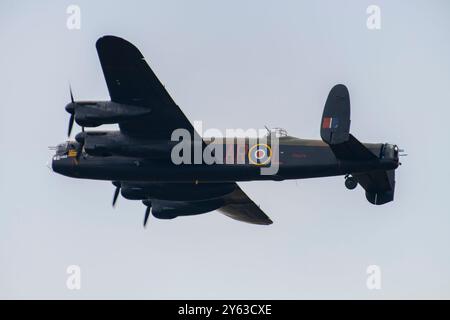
x=130, y=81
x=240, y=207
x=236, y=204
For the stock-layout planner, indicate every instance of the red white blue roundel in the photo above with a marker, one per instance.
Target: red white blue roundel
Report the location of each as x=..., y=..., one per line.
x=259, y=154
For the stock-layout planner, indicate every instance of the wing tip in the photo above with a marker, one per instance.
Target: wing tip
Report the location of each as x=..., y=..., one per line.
x=108, y=37
x=268, y=222
x=259, y=222
x=105, y=39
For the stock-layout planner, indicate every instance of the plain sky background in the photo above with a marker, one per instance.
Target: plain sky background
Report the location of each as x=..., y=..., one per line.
x=231, y=64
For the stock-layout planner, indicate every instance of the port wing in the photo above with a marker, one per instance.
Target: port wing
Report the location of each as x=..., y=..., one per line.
x=131, y=81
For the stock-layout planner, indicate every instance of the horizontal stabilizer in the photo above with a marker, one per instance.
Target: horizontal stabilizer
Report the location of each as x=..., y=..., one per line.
x=352, y=150
x=379, y=185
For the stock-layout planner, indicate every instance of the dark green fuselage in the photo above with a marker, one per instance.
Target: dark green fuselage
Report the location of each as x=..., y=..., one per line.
x=298, y=159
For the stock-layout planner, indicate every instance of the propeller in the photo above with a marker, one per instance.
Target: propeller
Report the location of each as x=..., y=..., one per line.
x=116, y=193
x=147, y=214
x=70, y=108
x=71, y=94
x=71, y=120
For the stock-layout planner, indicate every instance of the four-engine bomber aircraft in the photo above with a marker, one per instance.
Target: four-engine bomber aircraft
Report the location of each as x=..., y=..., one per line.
x=137, y=159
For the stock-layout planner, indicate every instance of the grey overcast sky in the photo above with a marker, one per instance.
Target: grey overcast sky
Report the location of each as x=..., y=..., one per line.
x=231, y=64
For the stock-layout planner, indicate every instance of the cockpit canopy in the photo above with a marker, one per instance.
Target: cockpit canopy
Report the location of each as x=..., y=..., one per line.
x=278, y=132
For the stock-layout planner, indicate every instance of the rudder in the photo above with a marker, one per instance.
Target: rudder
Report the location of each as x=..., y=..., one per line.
x=335, y=125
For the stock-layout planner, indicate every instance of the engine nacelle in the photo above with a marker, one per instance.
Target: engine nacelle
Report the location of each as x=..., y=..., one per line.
x=131, y=192
x=170, y=209
x=107, y=143
x=175, y=191
x=97, y=143
x=96, y=113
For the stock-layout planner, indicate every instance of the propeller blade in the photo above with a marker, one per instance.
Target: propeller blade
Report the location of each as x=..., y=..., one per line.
x=147, y=214
x=116, y=195
x=71, y=120
x=71, y=94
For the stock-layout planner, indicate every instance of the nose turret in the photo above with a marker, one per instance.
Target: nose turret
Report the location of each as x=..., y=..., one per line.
x=66, y=158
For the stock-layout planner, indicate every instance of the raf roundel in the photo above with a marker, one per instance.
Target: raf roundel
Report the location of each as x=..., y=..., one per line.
x=259, y=154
